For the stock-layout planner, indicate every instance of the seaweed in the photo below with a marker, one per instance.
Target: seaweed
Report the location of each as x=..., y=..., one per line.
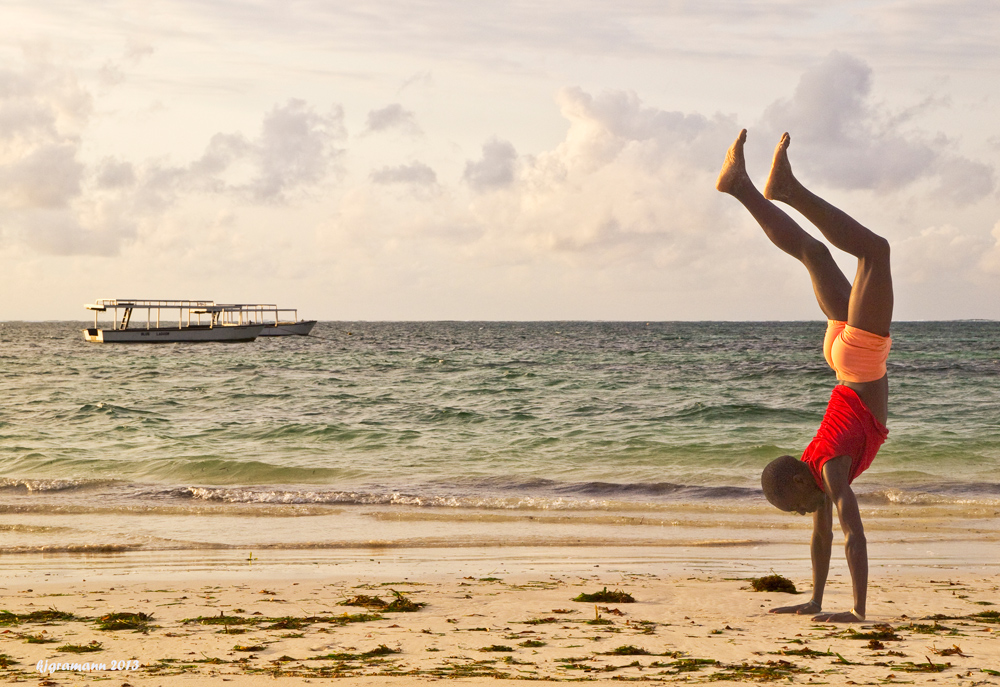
x=617, y=596
x=929, y=667
x=806, y=653
x=773, y=583
x=47, y=616
x=880, y=631
x=987, y=616
x=380, y=650
x=688, y=665
x=532, y=643
x=125, y=621
x=497, y=647
x=365, y=601
x=628, y=650
x=762, y=672
x=94, y=645
x=401, y=604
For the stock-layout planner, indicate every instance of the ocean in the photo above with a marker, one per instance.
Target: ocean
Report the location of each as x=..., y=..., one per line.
x=468, y=433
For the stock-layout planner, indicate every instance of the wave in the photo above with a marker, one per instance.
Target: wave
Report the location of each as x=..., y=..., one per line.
x=35, y=486
x=956, y=493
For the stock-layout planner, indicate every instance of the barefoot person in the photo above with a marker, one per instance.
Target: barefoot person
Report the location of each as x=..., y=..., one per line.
x=856, y=347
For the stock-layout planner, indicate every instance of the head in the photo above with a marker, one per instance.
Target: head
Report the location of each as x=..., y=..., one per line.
x=789, y=486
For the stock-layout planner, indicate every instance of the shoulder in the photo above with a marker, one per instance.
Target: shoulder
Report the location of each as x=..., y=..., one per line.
x=837, y=475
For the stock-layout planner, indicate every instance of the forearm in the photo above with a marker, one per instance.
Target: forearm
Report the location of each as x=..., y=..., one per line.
x=820, y=547
x=856, y=550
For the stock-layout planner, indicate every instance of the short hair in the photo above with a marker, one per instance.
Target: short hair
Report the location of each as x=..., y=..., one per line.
x=778, y=480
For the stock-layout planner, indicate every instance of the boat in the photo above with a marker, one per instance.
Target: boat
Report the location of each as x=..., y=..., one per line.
x=187, y=327
x=270, y=315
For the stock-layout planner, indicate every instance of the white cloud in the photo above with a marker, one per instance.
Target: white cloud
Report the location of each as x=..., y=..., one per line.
x=414, y=173
x=495, y=169
x=844, y=138
x=392, y=117
x=54, y=202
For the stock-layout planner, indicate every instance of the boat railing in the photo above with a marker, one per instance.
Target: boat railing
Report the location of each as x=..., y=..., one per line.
x=255, y=313
x=128, y=305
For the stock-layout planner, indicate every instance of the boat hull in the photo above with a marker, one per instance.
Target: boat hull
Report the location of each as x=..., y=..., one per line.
x=301, y=328
x=194, y=334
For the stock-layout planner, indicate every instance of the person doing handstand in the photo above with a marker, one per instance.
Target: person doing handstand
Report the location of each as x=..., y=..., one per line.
x=856, y=347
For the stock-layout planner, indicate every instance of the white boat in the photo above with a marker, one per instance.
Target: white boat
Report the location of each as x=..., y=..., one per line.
x=161, y=330
x=271, y=316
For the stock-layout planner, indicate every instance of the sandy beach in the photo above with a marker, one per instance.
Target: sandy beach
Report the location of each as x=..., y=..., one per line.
x=482, y=616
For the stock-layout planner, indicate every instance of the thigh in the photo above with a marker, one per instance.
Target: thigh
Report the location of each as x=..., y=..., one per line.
x=833, y=291
x=871, y=301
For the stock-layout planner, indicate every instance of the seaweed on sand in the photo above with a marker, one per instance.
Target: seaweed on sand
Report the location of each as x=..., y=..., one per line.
x=365, y=601
x=94, y=645
x=125, y=621
x=628, y=650
x=604, y=596
x=761, y=672
x=880, y=631
x=773, y=583
x=49, y=615
x=380, y=650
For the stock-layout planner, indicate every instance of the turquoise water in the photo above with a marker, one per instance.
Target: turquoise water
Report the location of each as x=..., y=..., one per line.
x=506, y=415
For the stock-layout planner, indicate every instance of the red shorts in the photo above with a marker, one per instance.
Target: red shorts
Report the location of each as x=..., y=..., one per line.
x=854, y=354
x=848, y=429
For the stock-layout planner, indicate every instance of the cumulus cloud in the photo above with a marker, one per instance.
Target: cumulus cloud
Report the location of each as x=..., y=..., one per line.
x=295, y=150
x=416, y=173
x=850, y=141
x=495, y=169
x=54, y=202
x=628, y=182
x=392, y=117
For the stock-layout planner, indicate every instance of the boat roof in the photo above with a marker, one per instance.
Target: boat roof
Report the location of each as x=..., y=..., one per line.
x=196, y=306
x=104, y=303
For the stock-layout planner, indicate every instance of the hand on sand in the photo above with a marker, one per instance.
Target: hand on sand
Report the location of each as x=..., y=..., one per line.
x=847, y=617
x=800, y=609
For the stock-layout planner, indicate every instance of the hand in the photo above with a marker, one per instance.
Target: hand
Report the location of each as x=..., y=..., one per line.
x=801, y=609
x=847, y=617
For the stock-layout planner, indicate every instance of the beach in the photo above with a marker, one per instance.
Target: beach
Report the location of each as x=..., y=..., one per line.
x=483, y=616
x=231, y=500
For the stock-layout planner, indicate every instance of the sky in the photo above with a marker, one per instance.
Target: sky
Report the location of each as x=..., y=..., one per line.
x=455, y=160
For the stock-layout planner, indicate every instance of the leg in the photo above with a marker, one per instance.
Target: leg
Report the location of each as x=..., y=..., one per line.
x=871, y=298
x=833, y=291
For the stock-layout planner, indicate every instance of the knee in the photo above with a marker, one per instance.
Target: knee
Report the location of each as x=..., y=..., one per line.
x=815, y=252
x=877, y=248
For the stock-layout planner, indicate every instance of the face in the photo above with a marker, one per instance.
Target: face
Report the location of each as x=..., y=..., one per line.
x=805, y=498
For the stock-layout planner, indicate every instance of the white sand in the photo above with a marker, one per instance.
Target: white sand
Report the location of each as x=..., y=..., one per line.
x=688, y=606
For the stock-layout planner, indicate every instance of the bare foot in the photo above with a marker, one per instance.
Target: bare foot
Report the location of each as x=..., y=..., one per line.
x=733, y=176
x=781, y=183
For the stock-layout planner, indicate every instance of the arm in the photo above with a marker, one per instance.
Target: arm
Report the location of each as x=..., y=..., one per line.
x=836, y=478
x=820, y=545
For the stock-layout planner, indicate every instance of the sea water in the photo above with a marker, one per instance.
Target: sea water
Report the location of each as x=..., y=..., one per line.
x=469, y=433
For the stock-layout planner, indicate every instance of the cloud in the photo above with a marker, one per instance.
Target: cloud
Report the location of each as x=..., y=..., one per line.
x=295, y=148
x=628, y=183
x=54, y=202
x=414, y=173
x=849, y=141
x=295, y=151
x=495, y=169
x=392, y=117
